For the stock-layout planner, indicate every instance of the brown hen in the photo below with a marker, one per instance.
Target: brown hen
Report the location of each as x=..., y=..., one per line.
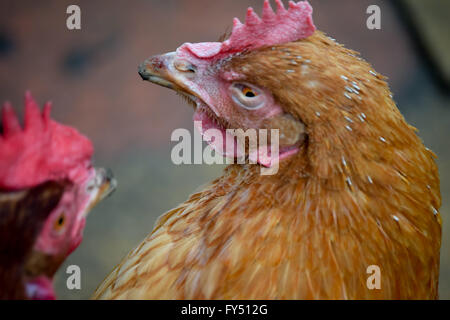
x=356, y=188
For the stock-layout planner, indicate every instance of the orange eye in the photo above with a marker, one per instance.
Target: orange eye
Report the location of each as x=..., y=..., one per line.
x=60, y=222
x=247, y=96
x=249, y=93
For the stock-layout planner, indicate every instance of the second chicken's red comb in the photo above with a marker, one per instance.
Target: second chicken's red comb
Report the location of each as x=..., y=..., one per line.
x=40, y=151
x=272, y=28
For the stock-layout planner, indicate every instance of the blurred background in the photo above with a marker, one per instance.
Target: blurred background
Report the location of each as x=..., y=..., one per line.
x=91, y=77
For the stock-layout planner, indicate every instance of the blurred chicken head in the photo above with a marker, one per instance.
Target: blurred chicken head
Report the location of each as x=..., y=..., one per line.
x=43, y=151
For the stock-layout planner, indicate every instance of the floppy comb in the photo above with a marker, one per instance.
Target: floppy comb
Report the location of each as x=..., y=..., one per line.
x=272, y=28
x=41, y=151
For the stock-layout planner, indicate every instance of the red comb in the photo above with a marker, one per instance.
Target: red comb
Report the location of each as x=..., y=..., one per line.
x=284, y=26
x=43, y=150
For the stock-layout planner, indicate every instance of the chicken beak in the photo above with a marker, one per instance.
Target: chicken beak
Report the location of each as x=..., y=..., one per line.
x=157, y=69
x=168, y=71
x=106, y=184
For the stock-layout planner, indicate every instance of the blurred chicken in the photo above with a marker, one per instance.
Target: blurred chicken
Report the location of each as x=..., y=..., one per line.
x=355, y=187
x=22, y=215
x=47, y=187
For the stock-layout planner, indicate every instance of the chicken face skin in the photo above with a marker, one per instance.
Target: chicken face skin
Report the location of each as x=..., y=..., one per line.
x=362, y=190
x=62, y=231
x=224, y=100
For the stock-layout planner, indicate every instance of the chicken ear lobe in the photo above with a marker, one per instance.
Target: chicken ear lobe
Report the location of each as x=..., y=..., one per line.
x=292, y=131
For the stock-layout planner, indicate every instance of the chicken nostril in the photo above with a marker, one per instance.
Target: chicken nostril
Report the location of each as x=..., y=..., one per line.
x=142, y=70
x=109, y=175
x=184, y=66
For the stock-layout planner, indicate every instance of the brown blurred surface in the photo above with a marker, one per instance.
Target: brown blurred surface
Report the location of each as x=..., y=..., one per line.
x=91, y=77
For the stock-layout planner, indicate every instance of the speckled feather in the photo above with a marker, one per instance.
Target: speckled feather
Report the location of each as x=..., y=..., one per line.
x=363, y=190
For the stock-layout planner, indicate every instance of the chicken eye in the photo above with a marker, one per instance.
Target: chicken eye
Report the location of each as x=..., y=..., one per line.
x=59, y=222
x=247, y=96
x=249, y=93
